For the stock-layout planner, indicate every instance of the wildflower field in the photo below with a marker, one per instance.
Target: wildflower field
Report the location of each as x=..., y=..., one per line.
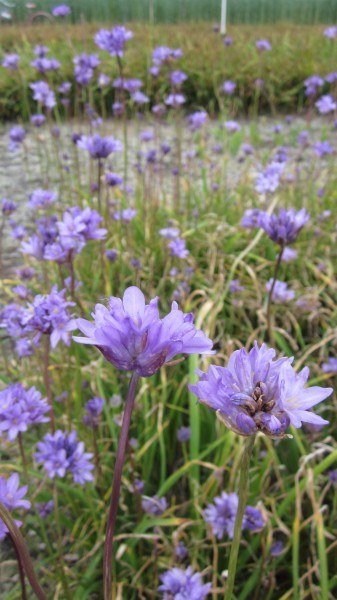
x=168, y=312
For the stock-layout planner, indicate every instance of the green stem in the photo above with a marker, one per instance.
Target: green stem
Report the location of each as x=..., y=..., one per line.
x=64, y=581
x=243, y=495
x=270, y=297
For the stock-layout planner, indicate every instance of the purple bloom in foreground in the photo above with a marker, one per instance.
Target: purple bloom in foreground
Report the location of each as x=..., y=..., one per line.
x=221, y=516
x=12, y=497
x=257, y=393
x=178, y=584
x=99, y=147
x=61, y=453
x=284, y=227
x=154, y=506
x=131, y=335
x=20, y=408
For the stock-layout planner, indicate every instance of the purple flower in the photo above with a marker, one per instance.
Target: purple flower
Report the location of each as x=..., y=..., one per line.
x=257, y=393
x=183, y=434
x=61, y=453
x=41, y=198
x=62, y=10
x=164, y=54
x=251, y=218
x=326, y=104
x=44, y=509
x=281, y=293
x=284, y=227
x=112, y=179
x=140, y=98
x=12, y=497
x=178, y=584
x=11, y=62
x=37, y=120
x=114, y=40
x=40, y=50
x=132, y=337
x=43, y=94
x=175, y=100
x=85, y=64
x=330, y=32
x=263, y=45
x=48, y=314
x=331, y=77
x=221, y=516
x=111, y=254
x=197, y=120
x=154, y=506
x=235, y=287
x=228, y=41
x=169, y=232
x=20, y=408
x=269, y=179
x=312, y=85
x=323, y=148
x=232, y=126
x=43, y=65
x=229, y=87
x=178, y=248
x=177, y=77
x=99, y=147
x=8, y=207
x=64, y=88
x=303, y=138
x=277, y=548
x=330, y=366
x=289, y=254
x=17, y=134
x=180, y=551
x=126, y=215
x=93, y=409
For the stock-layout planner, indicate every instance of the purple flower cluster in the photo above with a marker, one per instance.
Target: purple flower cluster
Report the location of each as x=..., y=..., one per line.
x=85, y=65
x=221, y=516
x=326, y=105
x=94, y=408
x=113, y=40
x=45, y=64
x=131, y=335
x=312, y=85
x=268, y=180
x=12, y=497
x=19, y=409
x=48, y=315
x=11, y=62
x=154, y=506
x=43, y=94
x=284, y=227
x=281, y=292
x=99, y=147
x=61, y=10
x=61, y=453
x=178, y=584
x=197, y=120
x=41, y=198
x=257, y=393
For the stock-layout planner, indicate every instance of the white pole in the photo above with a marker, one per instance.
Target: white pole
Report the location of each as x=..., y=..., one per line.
x=223, y=17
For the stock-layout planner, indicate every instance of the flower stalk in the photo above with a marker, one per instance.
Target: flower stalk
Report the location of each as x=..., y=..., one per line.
x=116, y=485
x=243, y=495
x=270, y=297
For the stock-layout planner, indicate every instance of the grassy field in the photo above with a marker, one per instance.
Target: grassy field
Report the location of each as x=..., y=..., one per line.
x=293, y=58
x=172, y=11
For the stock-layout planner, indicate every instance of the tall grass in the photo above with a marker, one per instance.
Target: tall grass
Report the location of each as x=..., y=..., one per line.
x=173, y=11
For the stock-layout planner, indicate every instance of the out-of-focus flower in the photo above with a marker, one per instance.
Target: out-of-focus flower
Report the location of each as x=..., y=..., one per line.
x=20, y=408
x=177, y=77
x=43, y=94
x=62, y=10
x=85, y=64
x=61, y=453
x=330, y=366
x=257, y=393
x=232, y=126
x=326, y=104
x=11, y=62
x=229, y=87
x=178, y=248
x=281, y=292
x=312, y=85
x=42, y=198
x=154, y=506
x=183, y=434
x=99, y=147
x=44, y=509
x=221, y=515
x=132, y=337
x=113, y=40
x=330, y=32
x=251, y=218
x=94, y=408
x=263, y=45
x=197, y=120
x=323, y=148
x=268, y=180
x=178, y=584
x=37, y=120
x=48, y=315
x=175, y=100
x=12, y=497
x=8, y=207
